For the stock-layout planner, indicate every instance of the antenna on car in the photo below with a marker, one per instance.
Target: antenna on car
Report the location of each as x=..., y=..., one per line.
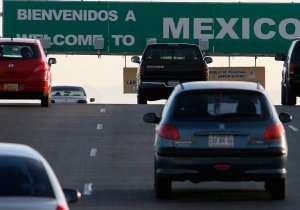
x=181, y=85
x=258, y=85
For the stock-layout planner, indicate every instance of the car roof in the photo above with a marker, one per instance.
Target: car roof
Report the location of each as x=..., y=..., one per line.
x=19, y=150
x=66, y=86
x=237, y=85
x=19, y=40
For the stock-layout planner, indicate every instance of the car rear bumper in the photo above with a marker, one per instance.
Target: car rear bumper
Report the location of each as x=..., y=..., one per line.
x=21, y=95
x=25, y=90
x=220, y=167
x=154, y=90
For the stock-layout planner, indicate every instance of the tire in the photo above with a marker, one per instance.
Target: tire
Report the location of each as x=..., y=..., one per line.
x=163, y=188
x=283, y=94
x=45, y=101
x=276, y=188
x=291, y=98
x=141, y=99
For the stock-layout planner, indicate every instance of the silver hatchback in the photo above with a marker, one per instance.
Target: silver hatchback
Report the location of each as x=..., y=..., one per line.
x=28, y=182
x=220, y=131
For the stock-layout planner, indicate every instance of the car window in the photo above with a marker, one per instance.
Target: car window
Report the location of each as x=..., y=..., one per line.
x=18, y=51
x=221, y=105
x=172, y=52
x=296, y=52
x=68, y=92
x=23, y=177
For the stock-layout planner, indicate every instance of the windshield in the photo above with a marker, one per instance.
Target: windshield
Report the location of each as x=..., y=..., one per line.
x=68, y=91
x=221, y=105
x=172, y=52
x=18, y=51
x=23, y=177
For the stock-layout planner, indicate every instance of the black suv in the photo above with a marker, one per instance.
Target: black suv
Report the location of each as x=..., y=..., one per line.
x=290, y=84
x=164, y=65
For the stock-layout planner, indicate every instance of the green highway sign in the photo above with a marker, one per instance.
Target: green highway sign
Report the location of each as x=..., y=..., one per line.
x=124, y=27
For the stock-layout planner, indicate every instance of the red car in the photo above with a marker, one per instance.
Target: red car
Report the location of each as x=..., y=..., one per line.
x=24, y=70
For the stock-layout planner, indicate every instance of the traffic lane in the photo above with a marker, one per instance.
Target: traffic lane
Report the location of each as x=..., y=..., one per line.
x=64, y=134
x=124, y=148
x=127, y=181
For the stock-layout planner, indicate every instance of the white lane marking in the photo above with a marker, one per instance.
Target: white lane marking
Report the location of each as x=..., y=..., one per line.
x=93, y=152
x=102, y=110
x=293, y=128
x=99, y=126
x=88, y=189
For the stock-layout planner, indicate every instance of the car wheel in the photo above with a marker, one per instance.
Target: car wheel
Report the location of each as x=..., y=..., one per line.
x=141, y=99
x=163, y=187
x=283, y=94
x=45, y=101
x=276, y=188
x=290, y=97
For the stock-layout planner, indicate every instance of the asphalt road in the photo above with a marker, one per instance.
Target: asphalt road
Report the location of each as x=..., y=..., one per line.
x=106, y=152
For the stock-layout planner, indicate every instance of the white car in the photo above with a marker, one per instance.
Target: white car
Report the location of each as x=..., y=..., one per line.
x=69, y=94
x=28, y=182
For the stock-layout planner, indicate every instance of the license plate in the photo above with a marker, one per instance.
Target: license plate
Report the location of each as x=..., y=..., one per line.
x=173, y=83
x=11, y=87
x=220, y=141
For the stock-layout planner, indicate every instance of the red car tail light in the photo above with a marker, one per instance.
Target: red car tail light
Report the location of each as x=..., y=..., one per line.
x=205, y=71
x=41, y=67
x=274, y=132
x=292, y=68
x=169, y=132
x=222, y=166
x=60, y=207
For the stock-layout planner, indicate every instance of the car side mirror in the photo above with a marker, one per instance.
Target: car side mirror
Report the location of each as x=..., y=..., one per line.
x=280, y=57
x=52, y=61
x=92, y=99
x=285, y=117
x=208, y=59
x=151, y=118
x=72, y=196
x=135, y=59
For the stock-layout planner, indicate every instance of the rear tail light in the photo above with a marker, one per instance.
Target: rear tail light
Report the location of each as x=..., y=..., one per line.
x=205, y=71
x=82, y=101
x=60, y=207
x=41, y=67
x=142, y=69
x=292, y=68
x=274, y=132
x=222, y=166
x=169, y=132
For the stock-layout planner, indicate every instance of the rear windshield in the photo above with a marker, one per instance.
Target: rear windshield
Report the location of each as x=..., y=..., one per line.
x=68, y=91
x=23, y=177
x=172, y=52
x=296, y=52
x=18, y=51
x=221, y=105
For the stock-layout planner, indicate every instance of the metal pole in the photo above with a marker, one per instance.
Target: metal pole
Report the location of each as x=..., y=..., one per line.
x=125, y=60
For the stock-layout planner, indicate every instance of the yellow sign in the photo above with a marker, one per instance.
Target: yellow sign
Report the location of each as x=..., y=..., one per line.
x=129, y=80
x=250, y=74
